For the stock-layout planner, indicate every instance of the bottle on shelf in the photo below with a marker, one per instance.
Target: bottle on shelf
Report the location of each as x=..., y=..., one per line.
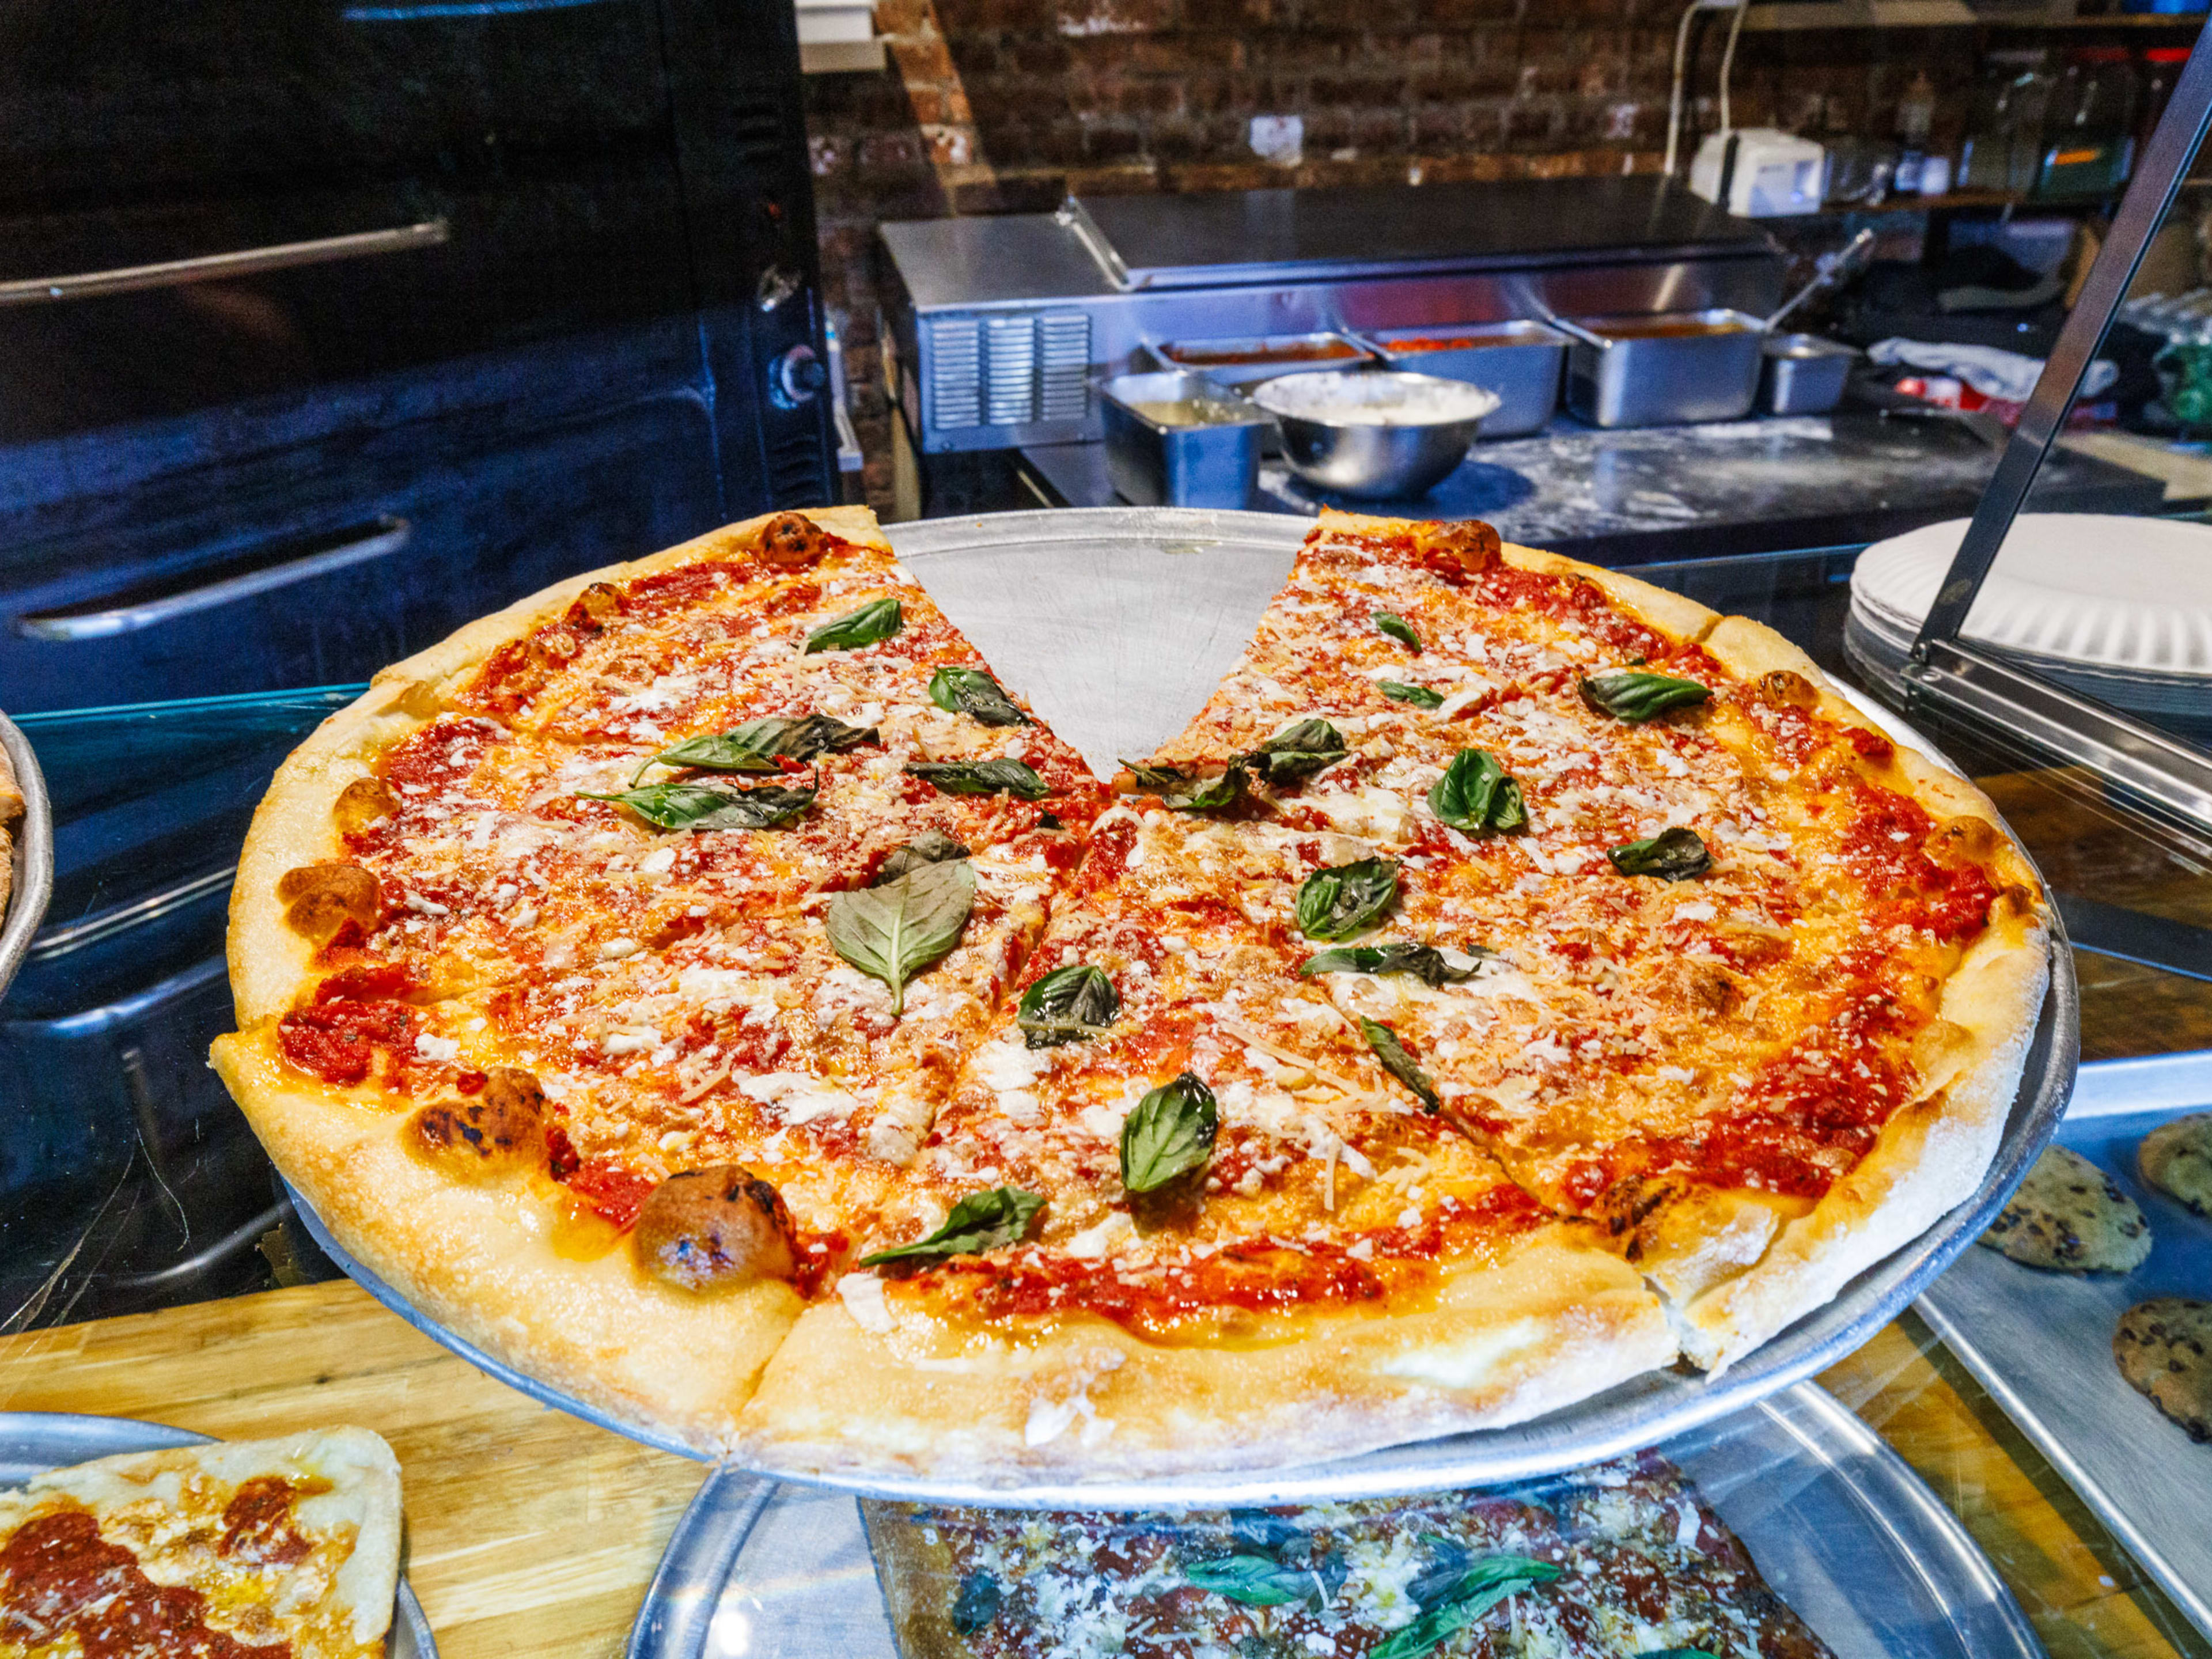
x=1915, y=115
x=2088, y=137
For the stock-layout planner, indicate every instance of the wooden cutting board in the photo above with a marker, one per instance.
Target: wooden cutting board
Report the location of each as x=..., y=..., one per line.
x=529, y=1532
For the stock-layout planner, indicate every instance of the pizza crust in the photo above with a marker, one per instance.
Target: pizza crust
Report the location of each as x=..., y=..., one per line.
x=1934, y=1151
x=484, y=1260
x=1556, y=1321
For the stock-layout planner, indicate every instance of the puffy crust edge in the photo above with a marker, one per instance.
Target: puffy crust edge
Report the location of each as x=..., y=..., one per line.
x=1934, y=1151
x=482, y=1259
x=1556, y=1322
x=294, y=825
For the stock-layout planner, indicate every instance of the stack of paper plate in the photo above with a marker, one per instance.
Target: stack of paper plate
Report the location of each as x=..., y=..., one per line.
x=2118, y=608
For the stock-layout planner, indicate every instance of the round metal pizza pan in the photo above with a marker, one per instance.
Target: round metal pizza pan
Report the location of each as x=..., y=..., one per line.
x=1118, y=622
x=1838, y=1523
x=31, y=1443
x=33, y=883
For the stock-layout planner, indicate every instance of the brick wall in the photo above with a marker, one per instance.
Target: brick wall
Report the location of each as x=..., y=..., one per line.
x=1006, y=106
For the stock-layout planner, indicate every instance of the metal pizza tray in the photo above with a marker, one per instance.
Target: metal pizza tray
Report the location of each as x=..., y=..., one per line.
x=1841, y=1529
x=1118, y=622
x=31, y=1443
x=33, y=877
x=2041, y=1343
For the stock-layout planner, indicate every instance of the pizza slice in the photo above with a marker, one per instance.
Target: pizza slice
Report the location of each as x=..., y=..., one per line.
x=1174, y=1212
x=1731, y=963
x=639, y=1012
x=229, y=1549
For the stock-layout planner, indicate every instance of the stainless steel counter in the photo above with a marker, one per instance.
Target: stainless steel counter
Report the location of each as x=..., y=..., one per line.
x=1630, y=495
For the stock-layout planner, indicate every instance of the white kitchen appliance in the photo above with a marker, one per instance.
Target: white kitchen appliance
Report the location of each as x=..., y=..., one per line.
x=1759, y=173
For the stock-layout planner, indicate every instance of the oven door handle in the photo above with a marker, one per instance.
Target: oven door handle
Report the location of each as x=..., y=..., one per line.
x=127, y=614
x=215, y=267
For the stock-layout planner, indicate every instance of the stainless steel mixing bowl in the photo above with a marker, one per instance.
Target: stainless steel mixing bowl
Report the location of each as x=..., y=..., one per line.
x=1416, y=428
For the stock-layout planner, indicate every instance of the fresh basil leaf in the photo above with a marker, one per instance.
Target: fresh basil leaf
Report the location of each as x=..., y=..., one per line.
x=978, y=1603
x=1400, y=1064
x=1297, y=753
x=1476, y=796
x=1636, y=697
x=1480, y=1589
x=980, y=1221
x=990, y=777
x=1424, y=962
x=1167, y=1133
x=972, y=691
x=1344, y=899
x=1256, y=1581
x=1675, y=854
x=1398, y=628
x=714, y=805
x=1069, y=1005
x=893, y=932
x=930, y=846
x=756, y=745
x=878, y=619
x=1448, y=1559
x=1180, y=791
x=1419, y=695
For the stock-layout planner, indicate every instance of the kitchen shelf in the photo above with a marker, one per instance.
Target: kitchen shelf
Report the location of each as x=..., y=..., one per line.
x=1797, y=15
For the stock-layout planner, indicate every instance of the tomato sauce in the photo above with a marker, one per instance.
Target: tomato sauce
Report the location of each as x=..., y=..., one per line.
x=339, y=1040
x=62, y=1579
x=257, y=1523
x=617, y=1192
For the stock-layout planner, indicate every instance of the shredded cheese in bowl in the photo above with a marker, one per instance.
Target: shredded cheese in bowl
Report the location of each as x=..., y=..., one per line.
x=1353, y=397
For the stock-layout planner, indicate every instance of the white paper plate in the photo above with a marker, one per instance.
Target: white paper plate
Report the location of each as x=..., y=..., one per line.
x=2097, y=592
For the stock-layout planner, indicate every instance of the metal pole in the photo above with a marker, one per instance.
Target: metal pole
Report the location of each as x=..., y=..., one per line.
x=2165, y=162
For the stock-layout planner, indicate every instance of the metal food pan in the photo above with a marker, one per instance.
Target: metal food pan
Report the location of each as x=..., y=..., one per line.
x=1642, y=378
x=33, y=883
x=31, y=1443
x=1838, y=1523
x=1118, y=622
x=2041, y=1342
x=1153, y=464
x=1803, y=375
x=1246, y=360
x=1521, y=362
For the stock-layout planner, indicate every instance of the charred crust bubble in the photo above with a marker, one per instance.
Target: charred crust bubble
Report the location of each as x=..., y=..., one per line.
x=321, y=898
x=1960, y=840
x=503, y=1128
x=1463, y=549
x=595, y=607
x=709, y=1229
x=362, y=803
x=791, y=539
x=1786, y=688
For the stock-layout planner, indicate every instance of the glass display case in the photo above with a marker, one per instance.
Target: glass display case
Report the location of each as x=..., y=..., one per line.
x=1948, y=1462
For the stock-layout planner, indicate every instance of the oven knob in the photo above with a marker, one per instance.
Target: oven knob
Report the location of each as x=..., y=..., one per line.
x=798, y=375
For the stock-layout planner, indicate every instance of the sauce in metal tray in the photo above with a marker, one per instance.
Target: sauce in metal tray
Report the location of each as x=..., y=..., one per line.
x=1297, y=351
x=1670, y=328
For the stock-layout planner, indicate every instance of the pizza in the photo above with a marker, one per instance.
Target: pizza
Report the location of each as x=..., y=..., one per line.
x=1621, y=1558
x=705, y=986
x=247, y=1549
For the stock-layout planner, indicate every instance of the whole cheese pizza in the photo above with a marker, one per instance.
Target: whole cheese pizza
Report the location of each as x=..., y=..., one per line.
x=705, y=986
x=247, y=1549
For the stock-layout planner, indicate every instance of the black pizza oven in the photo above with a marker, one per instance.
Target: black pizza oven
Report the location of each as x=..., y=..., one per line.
x=327, y=326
